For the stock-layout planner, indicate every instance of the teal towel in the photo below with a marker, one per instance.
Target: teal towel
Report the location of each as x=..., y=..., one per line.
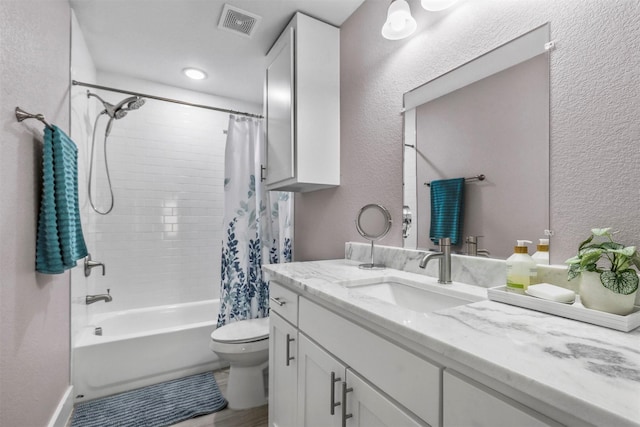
x=447, y=203
x=59, y=241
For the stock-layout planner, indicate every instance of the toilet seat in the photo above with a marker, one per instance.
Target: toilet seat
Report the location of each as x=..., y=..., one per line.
x=243, y=331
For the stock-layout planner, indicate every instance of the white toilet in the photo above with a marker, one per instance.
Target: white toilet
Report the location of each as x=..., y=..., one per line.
x=245, y=345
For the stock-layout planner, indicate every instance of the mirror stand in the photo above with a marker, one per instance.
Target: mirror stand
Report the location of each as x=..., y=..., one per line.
x=373, y=223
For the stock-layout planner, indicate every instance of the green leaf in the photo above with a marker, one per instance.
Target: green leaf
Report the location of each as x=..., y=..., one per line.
x=573, y=260
x=589, y=239
x=624, y=282
x=635, y=259
x=574, y=271
x=601, y=231
x=590, y=256
x=613, y=246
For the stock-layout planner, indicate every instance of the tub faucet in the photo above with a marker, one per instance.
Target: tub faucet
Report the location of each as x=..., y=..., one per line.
x=444, y=258
x=90, y=299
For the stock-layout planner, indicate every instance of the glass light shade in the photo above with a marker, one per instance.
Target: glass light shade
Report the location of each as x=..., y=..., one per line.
x=436, y=5
x=194, y=73
x=399, y=23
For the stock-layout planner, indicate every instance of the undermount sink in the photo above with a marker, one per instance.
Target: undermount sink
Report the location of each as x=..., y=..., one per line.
x=412, y=295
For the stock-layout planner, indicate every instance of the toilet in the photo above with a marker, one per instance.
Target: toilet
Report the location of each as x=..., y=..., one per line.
x=245, y=345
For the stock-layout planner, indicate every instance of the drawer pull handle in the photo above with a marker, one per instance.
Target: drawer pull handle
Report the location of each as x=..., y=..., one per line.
x=288, y=352
x=345, y=416
x=277, y=301
x=334, y=380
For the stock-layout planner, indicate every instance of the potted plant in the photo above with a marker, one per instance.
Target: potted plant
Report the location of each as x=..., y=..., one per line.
x=607, y=280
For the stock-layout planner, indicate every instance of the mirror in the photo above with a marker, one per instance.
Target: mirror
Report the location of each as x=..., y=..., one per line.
x=487, y=117
x=373, y=223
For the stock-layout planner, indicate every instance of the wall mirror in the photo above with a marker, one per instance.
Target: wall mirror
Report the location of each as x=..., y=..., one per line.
x=373, y=223
x=487, y=117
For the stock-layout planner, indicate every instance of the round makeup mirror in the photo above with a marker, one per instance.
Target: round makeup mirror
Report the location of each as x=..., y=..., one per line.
x=373, y=223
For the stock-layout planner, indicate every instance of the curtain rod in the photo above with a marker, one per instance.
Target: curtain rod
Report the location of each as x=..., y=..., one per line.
x=160, y=98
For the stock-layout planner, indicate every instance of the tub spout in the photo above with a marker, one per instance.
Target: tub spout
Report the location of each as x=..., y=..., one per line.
x=90, y=299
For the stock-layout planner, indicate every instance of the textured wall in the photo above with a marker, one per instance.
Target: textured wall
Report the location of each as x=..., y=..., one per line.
x=34, y=308
x=595, y=131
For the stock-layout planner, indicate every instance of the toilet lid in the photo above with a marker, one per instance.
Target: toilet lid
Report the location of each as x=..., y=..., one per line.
x=243, y=331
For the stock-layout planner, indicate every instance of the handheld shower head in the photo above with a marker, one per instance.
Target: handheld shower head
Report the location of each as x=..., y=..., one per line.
x=135, y=104
x=119, y=110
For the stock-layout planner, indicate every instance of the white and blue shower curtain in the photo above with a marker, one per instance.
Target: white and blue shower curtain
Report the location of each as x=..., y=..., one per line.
x=257, y=225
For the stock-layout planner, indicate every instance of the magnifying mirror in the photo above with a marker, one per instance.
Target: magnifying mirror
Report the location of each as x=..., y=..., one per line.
x=373, y=223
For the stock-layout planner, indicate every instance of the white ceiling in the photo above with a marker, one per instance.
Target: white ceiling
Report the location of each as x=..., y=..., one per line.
x=156, y=39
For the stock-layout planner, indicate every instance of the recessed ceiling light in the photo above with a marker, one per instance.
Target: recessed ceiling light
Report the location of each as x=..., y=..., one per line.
x=194, y=73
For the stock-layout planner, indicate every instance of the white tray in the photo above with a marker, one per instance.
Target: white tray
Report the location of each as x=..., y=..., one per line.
x=575, y=311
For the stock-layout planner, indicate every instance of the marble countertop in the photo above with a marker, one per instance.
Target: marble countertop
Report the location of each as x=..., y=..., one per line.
x=588, y=371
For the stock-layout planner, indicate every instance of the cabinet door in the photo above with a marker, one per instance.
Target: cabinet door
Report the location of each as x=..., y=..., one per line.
x=467, y=403
x=367, y=407
x=280, y=104
x=283, y=372
x=320, y=377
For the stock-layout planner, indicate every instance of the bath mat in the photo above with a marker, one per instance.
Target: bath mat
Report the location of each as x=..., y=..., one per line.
x=157, y=405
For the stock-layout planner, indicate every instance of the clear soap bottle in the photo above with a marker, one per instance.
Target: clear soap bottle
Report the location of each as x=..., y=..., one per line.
x=521, y=268
x=541, y=256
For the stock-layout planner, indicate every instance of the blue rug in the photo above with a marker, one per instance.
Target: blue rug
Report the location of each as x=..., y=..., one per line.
x=157, y=405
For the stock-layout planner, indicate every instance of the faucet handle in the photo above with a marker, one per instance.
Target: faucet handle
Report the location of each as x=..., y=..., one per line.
x=444, y=241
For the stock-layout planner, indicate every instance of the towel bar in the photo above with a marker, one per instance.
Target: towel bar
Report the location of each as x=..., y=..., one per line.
x=480, y=177
x=23, y=115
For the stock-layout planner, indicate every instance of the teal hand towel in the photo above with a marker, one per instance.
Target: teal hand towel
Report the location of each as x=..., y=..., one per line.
x=59, y=242
x=447, y=204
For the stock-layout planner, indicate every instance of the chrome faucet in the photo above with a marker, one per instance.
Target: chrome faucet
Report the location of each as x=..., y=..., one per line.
x=90, y=299
x=472, y=247
x=444, y=258
x=89, y=264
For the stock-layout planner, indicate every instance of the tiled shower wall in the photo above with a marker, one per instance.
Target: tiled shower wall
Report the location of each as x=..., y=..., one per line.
x=161, y=243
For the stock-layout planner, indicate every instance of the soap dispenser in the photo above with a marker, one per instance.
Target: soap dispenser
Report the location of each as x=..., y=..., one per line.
x=521, y=268
x=541, y=257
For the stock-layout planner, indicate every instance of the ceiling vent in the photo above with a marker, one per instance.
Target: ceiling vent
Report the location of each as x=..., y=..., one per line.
x=238, y=21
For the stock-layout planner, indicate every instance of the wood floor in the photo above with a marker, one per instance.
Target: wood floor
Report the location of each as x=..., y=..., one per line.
x=254, y=417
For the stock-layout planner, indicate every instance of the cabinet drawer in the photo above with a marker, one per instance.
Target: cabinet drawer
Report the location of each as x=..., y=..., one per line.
x=284, y=302
x=411, y=381
x=469, y=403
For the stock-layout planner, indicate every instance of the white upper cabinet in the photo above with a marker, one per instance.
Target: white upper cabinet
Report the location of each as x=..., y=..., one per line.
x=302, y=107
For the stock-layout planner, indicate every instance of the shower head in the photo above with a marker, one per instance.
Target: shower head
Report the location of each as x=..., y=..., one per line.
x=119, y=110
x=132, y=103
x=135, y=104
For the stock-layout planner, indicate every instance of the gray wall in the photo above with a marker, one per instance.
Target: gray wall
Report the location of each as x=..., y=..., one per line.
x=34, y=309
x=595, y=88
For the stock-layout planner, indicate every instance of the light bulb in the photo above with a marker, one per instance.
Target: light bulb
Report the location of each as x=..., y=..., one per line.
x=399, y=23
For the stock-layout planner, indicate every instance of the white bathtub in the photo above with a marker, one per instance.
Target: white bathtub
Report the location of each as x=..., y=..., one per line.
x=142, y=347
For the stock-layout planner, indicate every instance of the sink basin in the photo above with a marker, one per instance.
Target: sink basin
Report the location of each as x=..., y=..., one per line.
x=414, y=296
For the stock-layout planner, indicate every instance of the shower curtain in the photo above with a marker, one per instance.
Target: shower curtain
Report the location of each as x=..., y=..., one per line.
x=257, y=225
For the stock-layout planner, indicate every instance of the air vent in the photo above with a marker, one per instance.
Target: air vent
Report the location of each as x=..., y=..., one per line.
x=238, y=21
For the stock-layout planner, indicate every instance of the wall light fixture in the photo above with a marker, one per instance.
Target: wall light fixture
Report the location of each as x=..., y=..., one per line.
x=399, y=23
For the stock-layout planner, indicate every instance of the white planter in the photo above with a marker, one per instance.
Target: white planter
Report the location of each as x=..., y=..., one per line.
x=595, y=296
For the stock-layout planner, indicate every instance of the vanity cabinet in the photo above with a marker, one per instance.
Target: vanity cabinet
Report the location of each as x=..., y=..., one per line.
x=333, y=395
x=302, y=107
x=283, y=358
x=467, y=402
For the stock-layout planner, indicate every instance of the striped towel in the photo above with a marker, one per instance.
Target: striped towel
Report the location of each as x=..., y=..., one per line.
x=447, y=200
x=60, y=242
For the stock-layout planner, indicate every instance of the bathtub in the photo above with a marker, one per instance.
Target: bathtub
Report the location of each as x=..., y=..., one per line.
x=143, y=346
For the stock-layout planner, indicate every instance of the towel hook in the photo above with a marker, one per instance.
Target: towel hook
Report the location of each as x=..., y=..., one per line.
x=23, y=115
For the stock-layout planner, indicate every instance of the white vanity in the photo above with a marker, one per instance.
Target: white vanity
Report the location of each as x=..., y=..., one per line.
x=343, y=354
